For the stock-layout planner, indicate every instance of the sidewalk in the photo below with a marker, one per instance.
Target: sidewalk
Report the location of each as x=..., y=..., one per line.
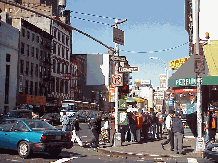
x=151, y=149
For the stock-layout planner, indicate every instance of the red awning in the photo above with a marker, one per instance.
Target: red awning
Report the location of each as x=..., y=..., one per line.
x=184, y=91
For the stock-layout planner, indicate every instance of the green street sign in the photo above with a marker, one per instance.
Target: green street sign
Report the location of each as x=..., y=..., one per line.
x=122, y=118
x=122, y=104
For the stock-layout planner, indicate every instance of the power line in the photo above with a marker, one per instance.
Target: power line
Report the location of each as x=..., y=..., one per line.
x=89, y=20
x=82, y=13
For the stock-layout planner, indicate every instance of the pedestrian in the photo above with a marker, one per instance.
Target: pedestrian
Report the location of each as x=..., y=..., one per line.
x=76, y=133
x=159, y=124
x=210, y=128
x=153, y=124
x=178, y=131
x=169, y=130
x=132, y=125
x=65, y=121
x=138, y=127
x=96, y=130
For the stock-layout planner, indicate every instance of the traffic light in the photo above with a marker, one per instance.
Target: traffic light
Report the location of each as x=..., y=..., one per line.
x=124, y=89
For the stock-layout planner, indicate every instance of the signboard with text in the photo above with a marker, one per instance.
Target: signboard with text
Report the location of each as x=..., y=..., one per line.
x=128, y=69
x=118, y=36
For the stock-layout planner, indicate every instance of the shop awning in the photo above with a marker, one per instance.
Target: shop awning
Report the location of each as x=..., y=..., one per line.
x=137, y=99
x=185, y=75
x=130, y=99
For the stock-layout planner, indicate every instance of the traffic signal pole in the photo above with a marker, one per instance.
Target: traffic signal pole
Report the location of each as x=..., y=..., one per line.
x=116, y=135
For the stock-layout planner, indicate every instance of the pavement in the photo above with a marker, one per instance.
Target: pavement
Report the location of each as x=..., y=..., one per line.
x=152, y=149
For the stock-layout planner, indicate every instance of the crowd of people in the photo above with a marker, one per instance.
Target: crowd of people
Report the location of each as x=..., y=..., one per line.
x=144, y=127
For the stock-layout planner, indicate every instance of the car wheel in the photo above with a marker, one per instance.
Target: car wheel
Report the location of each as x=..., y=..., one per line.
x=24, y=150
x=55, y=152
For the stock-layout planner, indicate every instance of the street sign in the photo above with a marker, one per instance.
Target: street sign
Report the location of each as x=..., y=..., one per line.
x=199, y=64
x=122, y=104
x=128, y=69
x=118, y=36
x=117, y=80
x=119, y=58
x=122, y=118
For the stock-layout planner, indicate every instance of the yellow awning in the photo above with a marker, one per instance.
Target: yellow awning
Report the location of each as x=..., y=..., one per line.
x=211, y=55
x=138, y=99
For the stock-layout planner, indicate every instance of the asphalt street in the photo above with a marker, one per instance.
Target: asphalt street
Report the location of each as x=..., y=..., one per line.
x=77, y=154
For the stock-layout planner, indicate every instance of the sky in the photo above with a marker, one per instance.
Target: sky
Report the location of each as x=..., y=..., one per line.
x=151, y=25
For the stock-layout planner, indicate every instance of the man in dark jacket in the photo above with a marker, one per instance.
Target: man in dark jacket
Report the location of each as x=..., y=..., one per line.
x=178, y=130
x=96, y=130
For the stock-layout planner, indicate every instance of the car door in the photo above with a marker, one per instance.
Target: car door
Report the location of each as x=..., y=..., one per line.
x=18, y=132
x=5, y=130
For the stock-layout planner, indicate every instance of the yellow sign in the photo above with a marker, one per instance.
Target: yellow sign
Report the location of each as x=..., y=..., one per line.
x=175, y=64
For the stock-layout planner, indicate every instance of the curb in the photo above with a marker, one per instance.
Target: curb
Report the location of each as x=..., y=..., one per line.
x=141, y=155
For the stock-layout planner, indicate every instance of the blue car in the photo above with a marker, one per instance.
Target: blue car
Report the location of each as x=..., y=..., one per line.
x=28, y=136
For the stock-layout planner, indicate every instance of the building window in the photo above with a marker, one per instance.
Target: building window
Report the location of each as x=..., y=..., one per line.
x=58, y=67
x=37, y=39
x=53, y=84
x=67, y=51
x=40, y=89
x=66, y=69
x=44, y=56
x=22, y=48
x=27, y=50
x=63, y=38
x=33, y=37
x=32, y=68
x=36, y=88
x=55, y=33
x=54, y=65
x=54, y=48
x=66, y=87
x=37, y=53
x=40, y=71
x=57, y=85
x=44, y=70
x=48, y=57
x=31, y=88
x=28, y=35
x=41, y=41
x=26, y=87
x=41, y=54
x=67, y=40
x=59, y=36
x=21, y=66
x=7, y=80
x=23, y=32
x=59, y=50
x=27, y=67
x=36, y=70
x=62, y=68
x=32, y=52
x=8, y=58
x=63, y=52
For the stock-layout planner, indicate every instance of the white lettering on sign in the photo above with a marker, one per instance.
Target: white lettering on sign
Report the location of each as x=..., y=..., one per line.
x=187, y=81
x=128, y=69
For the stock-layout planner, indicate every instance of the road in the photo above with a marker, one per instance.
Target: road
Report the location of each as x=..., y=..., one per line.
x=75, y=154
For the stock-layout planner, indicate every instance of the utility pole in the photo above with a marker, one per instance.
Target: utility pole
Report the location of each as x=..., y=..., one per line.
x=200, y=140
x=116, y=135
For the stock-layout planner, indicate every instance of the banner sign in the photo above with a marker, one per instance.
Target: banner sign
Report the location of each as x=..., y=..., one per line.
x=112, y=94
x=176, y=64
x=122, y=118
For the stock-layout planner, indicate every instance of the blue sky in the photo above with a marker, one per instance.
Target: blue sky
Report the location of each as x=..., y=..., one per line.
x=151, y=25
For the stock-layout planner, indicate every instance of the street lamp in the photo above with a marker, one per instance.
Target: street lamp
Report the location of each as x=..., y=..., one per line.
x=166, y=69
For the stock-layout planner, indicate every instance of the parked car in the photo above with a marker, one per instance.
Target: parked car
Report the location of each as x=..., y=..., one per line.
x=211, y=152
x=82, y=118
x=91, y=117
x=28, y=136
x=20, y=113
x=51, y=118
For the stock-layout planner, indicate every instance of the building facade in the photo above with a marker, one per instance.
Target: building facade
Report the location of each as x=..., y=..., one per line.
x=9, y=49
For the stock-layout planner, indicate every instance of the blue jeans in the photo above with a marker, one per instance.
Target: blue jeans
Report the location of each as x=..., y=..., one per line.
x=64, y=127
x=132, y=131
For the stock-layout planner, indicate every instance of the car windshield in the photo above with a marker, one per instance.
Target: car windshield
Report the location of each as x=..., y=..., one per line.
x=46, y=115
x=37, y=125
x=92, y=116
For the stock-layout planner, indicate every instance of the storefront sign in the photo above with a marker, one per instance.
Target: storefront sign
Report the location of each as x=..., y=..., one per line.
x=183, y=82
x=112, y=94
x=175, y=64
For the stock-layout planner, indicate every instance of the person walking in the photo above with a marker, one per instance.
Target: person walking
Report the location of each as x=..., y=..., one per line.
x=159, y=124
x=169, y=130
x=210, y=128
x=178, y=131
x=76, y=133
x=65, y=121
x=96, y=130
x=153, y=124
x=132, y=125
